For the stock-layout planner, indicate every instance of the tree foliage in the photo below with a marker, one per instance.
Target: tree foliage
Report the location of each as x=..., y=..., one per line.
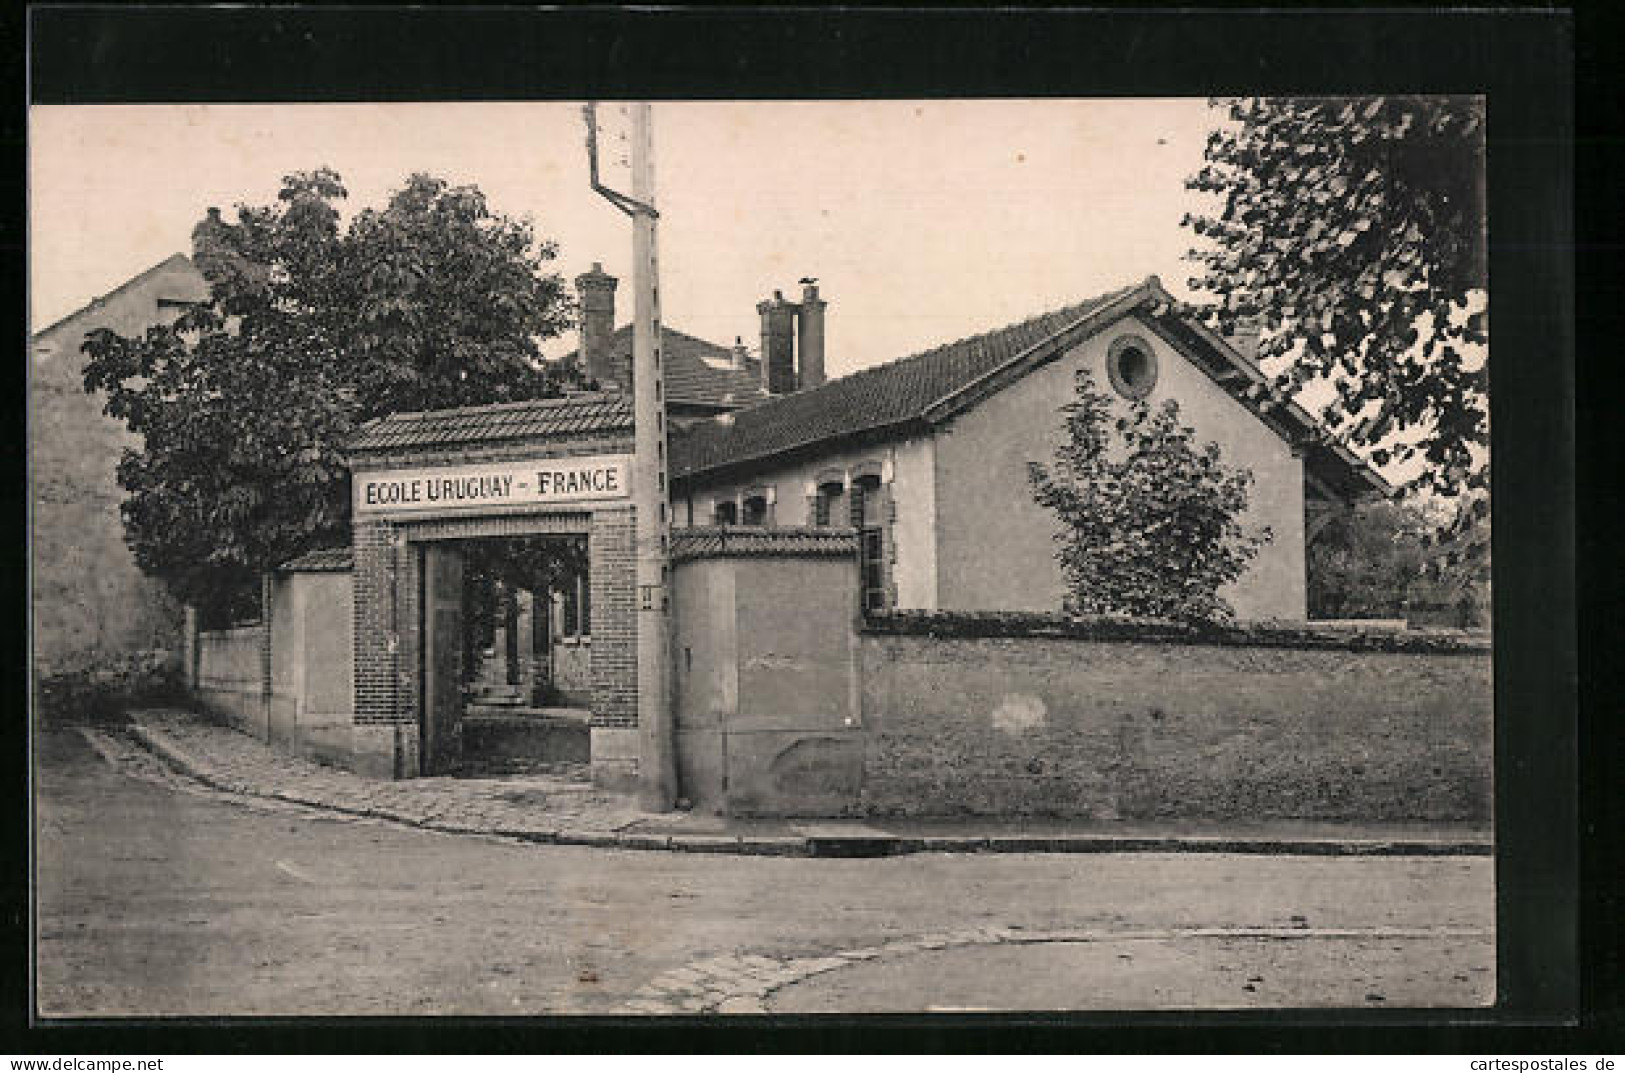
x=243, y=403
x=494, y=570
x=1350, y=234
x=1381, y=561
x=1149, y=517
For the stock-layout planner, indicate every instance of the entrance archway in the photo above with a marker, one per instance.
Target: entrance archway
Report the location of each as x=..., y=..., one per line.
x=422, y=483
x=505, y=657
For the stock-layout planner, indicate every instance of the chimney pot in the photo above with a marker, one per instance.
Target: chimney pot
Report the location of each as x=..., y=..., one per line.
x=597, y=290
x=778, y=345
x=810, y=341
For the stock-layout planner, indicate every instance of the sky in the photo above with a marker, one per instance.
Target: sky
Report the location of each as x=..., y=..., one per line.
x=924, y=221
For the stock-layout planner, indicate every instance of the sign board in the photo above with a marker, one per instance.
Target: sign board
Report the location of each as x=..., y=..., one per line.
x=470, y=489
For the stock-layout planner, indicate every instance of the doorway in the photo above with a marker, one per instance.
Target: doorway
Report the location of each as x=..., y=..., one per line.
x=506, y=669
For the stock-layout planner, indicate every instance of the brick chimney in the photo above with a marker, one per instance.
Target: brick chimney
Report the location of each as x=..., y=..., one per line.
x=778, y=344
x=597, y=290
x=810, y=335
x=738, y=354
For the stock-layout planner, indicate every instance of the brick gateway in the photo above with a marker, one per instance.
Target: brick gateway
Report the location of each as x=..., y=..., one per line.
x=789, y=699
x=422, y=482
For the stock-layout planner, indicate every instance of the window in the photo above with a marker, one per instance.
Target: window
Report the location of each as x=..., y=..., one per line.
x=826, y=503
x=755, y=511
x=873, y=562
x=866, y=518
x=1132, y=366
x=727, y=513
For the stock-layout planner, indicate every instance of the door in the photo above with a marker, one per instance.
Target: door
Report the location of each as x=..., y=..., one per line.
x=442, y=708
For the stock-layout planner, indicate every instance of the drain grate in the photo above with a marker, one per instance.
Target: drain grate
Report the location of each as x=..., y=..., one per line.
x=854, y=846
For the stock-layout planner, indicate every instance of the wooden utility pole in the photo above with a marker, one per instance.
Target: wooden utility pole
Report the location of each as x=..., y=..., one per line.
x=657, y=761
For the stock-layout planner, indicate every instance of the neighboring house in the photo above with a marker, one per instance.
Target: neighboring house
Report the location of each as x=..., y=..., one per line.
x=927, y=455
x=701, y=379
x=91, y=605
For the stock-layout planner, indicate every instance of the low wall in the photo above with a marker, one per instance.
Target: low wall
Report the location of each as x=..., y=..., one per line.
x=230, y=677
x=317, y=638
x=307, y=708
x=1024, y=715
x=765, y=645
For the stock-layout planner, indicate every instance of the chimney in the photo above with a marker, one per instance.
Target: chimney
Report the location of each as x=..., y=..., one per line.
x=597, y=290
x=738, y=354
x=810, y=335
x=778, y=344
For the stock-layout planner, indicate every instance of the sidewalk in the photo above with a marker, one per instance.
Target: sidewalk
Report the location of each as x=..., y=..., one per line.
x=569, y=810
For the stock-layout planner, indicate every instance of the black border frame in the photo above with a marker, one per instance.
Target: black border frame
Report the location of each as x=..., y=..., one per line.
x=1523, y=60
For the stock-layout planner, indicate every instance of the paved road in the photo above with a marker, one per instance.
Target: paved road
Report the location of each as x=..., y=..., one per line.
x=157, y=897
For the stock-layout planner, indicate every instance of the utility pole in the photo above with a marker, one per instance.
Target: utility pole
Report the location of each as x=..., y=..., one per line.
x=657, y=761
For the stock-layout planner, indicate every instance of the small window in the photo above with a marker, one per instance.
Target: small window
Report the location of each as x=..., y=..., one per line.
x=727, y=513
x=825, y=503
x=1132, y=366
x=865, y=505
x=755, y=511
x=866, y=518
x=872, y=547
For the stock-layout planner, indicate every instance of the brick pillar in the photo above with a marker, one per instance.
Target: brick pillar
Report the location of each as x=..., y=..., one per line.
x=385, y=736
x=266, y=627
x=612, y=570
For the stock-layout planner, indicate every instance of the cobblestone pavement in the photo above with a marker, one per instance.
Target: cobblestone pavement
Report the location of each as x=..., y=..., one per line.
x=558, y=803
x=535, y=807
x=749, y=984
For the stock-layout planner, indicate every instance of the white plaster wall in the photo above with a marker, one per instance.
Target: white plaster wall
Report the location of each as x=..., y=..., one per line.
x=995, y=545
x=911, y=468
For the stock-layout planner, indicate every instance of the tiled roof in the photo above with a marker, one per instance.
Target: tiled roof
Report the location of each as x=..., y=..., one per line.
x=697, y=373
x=752, y=542
x=321, y=561
x=876, y=398
x=584, y=414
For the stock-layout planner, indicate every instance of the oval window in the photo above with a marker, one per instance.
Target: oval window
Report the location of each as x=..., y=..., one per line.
x=1132, y=366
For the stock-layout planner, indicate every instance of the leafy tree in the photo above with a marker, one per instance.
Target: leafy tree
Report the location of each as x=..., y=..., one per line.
x=493, y=570
x=311, y=328
x=1350, y=234
x=1382, y=560
x=1148, y=516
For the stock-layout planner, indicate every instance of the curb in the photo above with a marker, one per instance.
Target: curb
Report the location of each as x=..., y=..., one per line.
x=166, y=749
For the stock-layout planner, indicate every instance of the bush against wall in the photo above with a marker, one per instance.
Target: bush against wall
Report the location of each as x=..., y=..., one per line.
x=1148, y=515
x=106, y=694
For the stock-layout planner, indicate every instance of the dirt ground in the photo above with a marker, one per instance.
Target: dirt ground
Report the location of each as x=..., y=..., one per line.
x=155, y=901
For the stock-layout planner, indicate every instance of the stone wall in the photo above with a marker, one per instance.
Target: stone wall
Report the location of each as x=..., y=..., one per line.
x=290, y=684
x=765, y=683
x=1047, y=718
x=230, y=677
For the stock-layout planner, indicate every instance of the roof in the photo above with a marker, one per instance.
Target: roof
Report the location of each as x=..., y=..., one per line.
x=882, y=397
x=750, y=542
x=173, y=262
x=697, y=372
x=925, y=389
x=582, y=414
x=320, y=561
